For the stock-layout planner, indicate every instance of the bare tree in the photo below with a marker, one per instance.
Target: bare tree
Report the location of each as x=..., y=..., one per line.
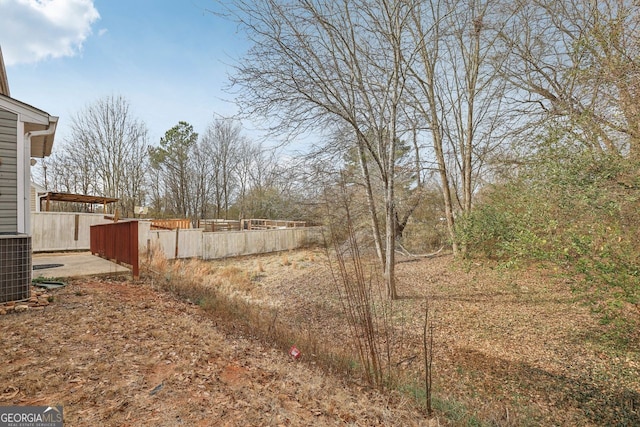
x=158, y=202
x=221, y=145
x=106, y=153
x=68, y=171
x=574, y=65
x=315, y=63
x=249, y=161
x=201, y=179
x=456, y=93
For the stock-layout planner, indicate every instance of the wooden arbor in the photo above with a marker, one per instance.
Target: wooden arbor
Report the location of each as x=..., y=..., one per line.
x=74, y=198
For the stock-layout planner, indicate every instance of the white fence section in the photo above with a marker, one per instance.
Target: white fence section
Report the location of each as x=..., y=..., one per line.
x=188, y=245
x=62, y=231
x=195, y=243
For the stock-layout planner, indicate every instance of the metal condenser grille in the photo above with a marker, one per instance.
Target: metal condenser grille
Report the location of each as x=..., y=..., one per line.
x=15, y=267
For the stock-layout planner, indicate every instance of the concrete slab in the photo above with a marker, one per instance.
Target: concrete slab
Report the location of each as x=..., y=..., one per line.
x=75, y=264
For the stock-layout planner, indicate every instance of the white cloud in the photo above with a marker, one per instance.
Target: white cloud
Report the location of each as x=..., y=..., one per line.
x=35, y=30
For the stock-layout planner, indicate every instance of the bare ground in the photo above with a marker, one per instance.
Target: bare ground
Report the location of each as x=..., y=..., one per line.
x=121, y=354
x=511, y=348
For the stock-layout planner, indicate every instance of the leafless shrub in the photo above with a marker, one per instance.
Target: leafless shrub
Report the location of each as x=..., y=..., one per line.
x=362, y=295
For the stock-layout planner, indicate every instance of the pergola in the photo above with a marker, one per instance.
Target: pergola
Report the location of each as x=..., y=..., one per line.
x=74, y=198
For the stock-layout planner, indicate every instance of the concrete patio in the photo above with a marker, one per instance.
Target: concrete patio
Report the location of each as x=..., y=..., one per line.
x=74, y=264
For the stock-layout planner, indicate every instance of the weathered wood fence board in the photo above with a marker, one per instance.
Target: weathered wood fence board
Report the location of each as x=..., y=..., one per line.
x=269, y=224
x=170, y=224
x=218, y=225
x=196, y=243
x=62, y=231
x=117, y=241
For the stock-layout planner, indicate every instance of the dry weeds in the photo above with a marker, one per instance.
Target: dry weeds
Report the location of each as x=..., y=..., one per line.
x=122, y=354
x=510, y=349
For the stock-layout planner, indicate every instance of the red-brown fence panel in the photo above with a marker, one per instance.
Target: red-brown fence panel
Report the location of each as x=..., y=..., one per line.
x=170, y=224
x=117, y=241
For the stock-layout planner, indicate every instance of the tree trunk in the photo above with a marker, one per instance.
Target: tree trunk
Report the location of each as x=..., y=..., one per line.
x=375, y=227
x=390, y=259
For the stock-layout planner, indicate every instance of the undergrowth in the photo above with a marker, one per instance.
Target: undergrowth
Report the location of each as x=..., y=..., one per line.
x=215, y=290
x=580, y=212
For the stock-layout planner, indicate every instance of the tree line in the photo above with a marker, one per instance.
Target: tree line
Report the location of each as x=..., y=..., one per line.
x=474, y=87
x=424, y=109
x=217, y=174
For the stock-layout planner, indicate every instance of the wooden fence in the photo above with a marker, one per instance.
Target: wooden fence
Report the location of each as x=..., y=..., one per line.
x=223, y=245
x=63, y=231
x=270, y=224
x=214, y=225
x=170, y=224
x=117, y=241
x=195, y=243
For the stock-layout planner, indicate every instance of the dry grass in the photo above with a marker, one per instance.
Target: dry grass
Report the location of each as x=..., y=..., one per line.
x=226, y=290
x=510, y=348
x=119, y=354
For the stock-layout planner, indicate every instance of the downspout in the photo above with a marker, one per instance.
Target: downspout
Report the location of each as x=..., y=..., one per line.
x=26, y=207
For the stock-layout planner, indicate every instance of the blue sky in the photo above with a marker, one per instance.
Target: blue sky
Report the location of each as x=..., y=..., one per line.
x=168, y=58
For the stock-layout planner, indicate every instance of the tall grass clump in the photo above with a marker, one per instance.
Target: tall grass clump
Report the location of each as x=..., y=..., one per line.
x=360, y=289
x=219, y=291
x=376, y=336
x=356, y=282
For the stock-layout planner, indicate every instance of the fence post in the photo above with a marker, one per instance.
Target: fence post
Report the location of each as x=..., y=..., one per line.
x=177, y=236
x=133, y=249
x=77, y=226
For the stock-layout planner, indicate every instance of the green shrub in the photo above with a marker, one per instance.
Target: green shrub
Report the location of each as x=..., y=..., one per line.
x=575, y=209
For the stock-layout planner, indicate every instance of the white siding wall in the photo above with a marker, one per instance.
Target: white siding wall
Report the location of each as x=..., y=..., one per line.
x=8, y=172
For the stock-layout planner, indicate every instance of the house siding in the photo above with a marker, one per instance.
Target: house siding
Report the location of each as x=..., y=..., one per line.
x=8, y=172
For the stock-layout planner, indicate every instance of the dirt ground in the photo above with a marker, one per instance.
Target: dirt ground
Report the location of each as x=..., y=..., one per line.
x=121, y=354
x=509, y=349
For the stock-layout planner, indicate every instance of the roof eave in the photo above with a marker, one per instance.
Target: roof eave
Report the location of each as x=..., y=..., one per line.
x=4, y=81
x=42, y=140
x=39, y=126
